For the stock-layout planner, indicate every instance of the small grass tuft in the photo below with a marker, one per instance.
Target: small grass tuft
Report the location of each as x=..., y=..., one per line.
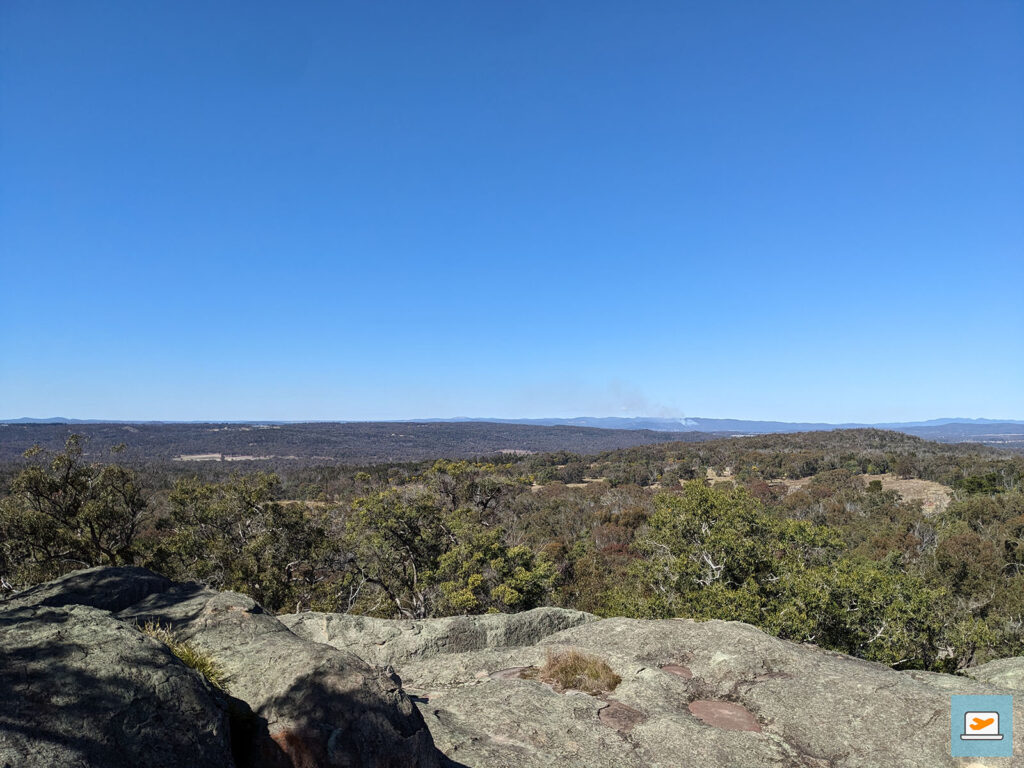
x=579, y=671
x=190, y=656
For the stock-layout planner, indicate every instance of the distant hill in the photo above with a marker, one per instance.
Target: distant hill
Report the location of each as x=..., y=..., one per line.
x=1007, y=433
x=722, y=425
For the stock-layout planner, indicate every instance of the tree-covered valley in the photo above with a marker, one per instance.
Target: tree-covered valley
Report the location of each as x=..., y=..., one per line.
x=806, y=536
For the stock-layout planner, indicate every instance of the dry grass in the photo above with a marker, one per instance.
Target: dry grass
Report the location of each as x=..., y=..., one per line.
x=579, y=671
x=934, y=497
x=190, y=655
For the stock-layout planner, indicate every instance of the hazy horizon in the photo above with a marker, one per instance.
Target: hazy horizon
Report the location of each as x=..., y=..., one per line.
x=681, y=419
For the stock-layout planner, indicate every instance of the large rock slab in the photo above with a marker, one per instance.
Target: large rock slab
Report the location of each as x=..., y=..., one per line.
x=80, y=689
x=291, y=703
x=316, y=705
x=382, y=641
x=711, y=694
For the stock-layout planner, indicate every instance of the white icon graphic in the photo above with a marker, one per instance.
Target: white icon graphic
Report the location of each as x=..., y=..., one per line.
x=981, y=726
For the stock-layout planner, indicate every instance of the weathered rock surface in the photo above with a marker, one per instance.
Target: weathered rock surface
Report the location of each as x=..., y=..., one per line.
x=710, y=694
x=321, y=706
x=79, y=689
x=80, y=686
x=290, y=702
x=384, y=642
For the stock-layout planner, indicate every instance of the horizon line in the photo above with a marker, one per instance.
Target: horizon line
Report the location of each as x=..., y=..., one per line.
x=682, y=420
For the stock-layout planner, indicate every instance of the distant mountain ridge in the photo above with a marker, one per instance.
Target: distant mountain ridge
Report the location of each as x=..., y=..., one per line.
x=658, y=424
x=744, y=426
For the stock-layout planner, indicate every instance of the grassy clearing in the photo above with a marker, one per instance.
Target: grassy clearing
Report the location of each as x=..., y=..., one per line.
x=191, y=656
x=579, y=671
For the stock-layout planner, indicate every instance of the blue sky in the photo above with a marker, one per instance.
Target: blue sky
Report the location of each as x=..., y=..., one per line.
x=785, y=210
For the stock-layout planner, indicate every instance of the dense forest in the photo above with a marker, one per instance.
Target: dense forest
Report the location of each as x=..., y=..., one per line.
x=323, y=442
x=814, y=537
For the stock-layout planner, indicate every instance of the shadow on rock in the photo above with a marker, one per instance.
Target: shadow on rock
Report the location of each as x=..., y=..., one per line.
x=357, y=729
x=81, y=688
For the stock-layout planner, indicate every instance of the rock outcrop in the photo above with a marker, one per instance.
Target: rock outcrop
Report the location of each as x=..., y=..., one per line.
x=80, y=689
x=84, y=687
x=711, y=694
x=321, y=706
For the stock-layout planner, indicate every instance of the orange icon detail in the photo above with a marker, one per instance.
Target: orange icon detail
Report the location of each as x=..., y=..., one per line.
x=977, y=724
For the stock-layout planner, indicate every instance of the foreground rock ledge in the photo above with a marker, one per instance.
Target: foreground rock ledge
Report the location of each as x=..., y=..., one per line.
x=709, y=694
x=83, y=688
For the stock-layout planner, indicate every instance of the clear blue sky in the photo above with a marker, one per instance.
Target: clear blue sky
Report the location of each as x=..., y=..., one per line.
x=254, y=210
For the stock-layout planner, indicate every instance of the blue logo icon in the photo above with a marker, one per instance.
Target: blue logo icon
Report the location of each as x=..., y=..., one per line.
x=981, y=726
